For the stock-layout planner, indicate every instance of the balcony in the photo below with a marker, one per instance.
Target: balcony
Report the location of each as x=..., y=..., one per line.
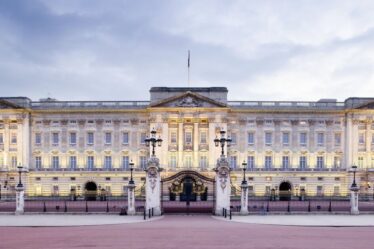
x=203, y=147
x=173, y=147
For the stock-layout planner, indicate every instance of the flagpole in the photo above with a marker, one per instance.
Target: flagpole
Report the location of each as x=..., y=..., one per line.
x=188, y=65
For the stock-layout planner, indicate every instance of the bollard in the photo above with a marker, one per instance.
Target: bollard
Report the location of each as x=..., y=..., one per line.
x=152, y=212
x=288, y=207
x=44, y=208
x=267, y=208
x=309, y=209
x=65, y=208
x=230, y=215
x=149, y=213
x=144, y=214
x=330, y=209
x=86, y=207
x=107, y=207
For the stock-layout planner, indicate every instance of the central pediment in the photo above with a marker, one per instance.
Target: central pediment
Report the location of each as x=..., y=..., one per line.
x=189, y=100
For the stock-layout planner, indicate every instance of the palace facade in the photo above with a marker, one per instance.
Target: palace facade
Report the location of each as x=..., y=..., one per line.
x=72, y=147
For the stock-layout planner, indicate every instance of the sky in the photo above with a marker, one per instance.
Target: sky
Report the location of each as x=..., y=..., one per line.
x=118, y=50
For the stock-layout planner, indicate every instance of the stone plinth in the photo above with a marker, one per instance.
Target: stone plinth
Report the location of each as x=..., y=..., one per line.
x=354, y=200
x=20, y=200
x=244, y=199
x=153, y=185
x=223, y=185
x=131, y=199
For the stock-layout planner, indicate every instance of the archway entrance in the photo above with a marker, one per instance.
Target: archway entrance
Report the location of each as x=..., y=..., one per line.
x=285, y=191
x=187, y=192
x=90, y=191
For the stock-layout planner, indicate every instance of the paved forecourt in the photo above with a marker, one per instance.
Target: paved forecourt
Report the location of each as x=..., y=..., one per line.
x=50, y=220
x=192, y=232
x=306, y=220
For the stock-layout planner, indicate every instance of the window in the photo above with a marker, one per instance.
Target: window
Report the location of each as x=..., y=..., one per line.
x=203, y=138
x=188, y=137
x=38, y=138
x=125, y=163
x=285, y=138
x=233, y=138
x=360, y=161
x=142, y=137
x=285, y=162
x=1, y=138
x=203, y=162
x=320, y=139
x=55, y=190
x=14, y=161
x=268, y=138
x=73, y=138
x=90, y=138
x=173, y=161
x=337, y=162
x=38, y=162
x=372, y=138
x=251, y=138
x=108, y=137
x=336, y=190
x=188, y=161
x=302, y=162
x=55, y=162
x=361, y=138
x=90, y=162
x=337, y=139
x=233, y=162
x=268, y=162
x=319, y=191
x=55, y=138
x=1, y=160
x=73, y=162
x=320, y=162
x=303, y=139
x=125, y=138
x=173, y=137
x=143, y=162
x=108, y=162
x=13, y=139
x=250, y=162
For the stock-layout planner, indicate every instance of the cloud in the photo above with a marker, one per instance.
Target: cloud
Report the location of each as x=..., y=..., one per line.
x=117, y=50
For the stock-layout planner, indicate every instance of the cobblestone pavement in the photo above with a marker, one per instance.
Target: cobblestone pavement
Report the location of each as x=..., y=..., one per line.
x=197, y=231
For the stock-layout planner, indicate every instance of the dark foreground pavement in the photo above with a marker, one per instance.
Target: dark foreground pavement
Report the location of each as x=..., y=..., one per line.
x=186, y=232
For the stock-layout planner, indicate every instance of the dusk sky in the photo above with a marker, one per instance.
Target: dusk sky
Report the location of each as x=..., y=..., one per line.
x=117, y=50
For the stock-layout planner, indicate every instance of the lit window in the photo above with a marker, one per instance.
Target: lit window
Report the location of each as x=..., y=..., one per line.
x=173, y=162
x=337, y=161
x=188, y=161
x=337, y=139
x=14, y=161
x=361, y=161
x=203, y=162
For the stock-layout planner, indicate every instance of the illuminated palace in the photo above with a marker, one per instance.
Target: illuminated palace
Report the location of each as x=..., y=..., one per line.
x=69, y=147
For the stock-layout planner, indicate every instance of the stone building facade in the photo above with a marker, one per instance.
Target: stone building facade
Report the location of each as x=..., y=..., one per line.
x=72, y=147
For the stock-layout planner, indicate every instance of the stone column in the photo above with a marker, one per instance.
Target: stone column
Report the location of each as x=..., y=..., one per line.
x=153, y=185
x=354, y=200
x=223, y=185
x=131, y=199
x=244, y=199
x=20, y=199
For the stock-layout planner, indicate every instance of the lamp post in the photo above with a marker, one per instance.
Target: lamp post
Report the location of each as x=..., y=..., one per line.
x=354, y=192
x=131, y=193
x=20, y=193
x=222, y=141
x=244, y=193
x=131, y=170
x=153, y=141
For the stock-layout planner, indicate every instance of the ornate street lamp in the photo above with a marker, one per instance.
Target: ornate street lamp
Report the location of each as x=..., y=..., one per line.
x=131, y=170
x=244, y=169
x=153, y=141
x=20, y=185
x=222, y=141
x=354, y=169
